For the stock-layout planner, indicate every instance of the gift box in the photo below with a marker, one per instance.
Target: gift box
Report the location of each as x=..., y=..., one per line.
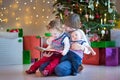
x=111, y=58
x=26, y=57
x=90, y=59
x=119, y=55
x=102, y=53
x=115, y=36
x=29, y=43
x=103, y=44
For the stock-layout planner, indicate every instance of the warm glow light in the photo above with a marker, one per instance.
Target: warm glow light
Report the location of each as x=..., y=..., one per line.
x=0, y=20
x=18, y=24
x=20, y=9
x=4, y=8
x=54, y=9
x=30, y=22
x=13, y=13
x=17, y=18
x=37, y=15
x=47, y=17
x=31, y=0
x=15, y=6
x=34, y=7
x=1, y=14
x=17, y=2
x=43, y=1
x=44, y=21
x=0, y=1
x=25, y=3
x=48, y=2
x=43, y=10
x=5, y=20
x=10, y=6
x=27, y=10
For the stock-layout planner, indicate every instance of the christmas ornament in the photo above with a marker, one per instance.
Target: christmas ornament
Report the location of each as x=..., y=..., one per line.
x=71, y=12
x=97, y=15
x=110, y=21
x=110, y=10
x=86, y=16
x=103, y=32
x=91, y=5
x=95, y=37
x=91, y=16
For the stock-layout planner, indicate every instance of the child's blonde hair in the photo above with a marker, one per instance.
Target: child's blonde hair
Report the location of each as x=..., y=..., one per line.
x=73, y=21
x=57, y=24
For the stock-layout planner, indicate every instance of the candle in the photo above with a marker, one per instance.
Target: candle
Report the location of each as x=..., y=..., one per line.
x=104, y=20
x=101, y=21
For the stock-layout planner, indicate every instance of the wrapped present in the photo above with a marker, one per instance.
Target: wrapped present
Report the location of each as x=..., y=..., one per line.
x=11, y=50
x=102, y=52
x=119, y=55
x=111, y=58
x=29, y=43
x=90, y=59
x=115, y=36
x=103, y=44
x=26, y=57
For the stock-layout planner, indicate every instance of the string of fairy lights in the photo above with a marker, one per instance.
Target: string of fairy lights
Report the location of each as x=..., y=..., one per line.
x=25, y=12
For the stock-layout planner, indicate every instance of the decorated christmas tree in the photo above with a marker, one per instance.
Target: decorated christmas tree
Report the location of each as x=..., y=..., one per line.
x=97, y=16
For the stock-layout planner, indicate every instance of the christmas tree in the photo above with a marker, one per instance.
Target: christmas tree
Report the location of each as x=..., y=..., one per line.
x=97, y=16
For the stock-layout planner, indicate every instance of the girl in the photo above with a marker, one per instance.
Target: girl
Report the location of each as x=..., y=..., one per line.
x=60, y=46
x=72, y=23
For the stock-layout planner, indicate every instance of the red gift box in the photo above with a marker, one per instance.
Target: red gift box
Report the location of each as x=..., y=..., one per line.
x=90, y=59
x=102, y=53
x=29, y=43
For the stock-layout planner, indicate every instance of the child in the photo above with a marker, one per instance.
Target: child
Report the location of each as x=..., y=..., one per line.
x=76, y=57
x=60, y=43
x=72, y=23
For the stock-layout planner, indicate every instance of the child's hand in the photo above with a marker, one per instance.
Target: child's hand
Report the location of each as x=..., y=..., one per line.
x=48, y=54
x=77, y=46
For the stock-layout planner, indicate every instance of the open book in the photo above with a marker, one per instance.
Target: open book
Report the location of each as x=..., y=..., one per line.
x=49, y=50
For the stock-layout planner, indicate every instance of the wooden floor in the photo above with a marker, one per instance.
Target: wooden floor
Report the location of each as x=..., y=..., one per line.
x=90, y=72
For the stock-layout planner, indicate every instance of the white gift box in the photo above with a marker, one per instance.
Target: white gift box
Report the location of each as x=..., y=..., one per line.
x=11, y=49
x=115, y=36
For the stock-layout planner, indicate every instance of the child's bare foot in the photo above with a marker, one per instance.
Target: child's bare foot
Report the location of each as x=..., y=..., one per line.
x=80, y=68
x=38, y=74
